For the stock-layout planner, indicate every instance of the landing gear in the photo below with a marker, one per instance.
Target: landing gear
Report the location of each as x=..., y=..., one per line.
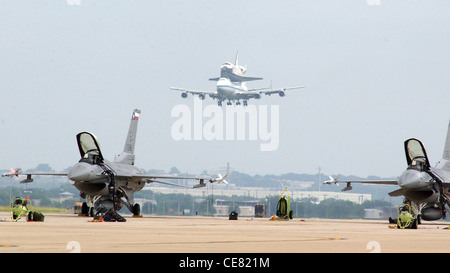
x=136, y=210
x=112, y=217
x=245, y=103
x=106, y=210
x=109, y=208
x=219, y=103
x=84, y=209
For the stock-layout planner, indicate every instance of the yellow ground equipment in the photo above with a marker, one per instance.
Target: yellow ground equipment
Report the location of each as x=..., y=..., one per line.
x=19, y=208
x=283, y=207
x=407, y=217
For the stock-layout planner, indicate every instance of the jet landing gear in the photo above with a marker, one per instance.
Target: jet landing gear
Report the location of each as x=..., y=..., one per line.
x=245, y=103
x=105, y=211
x=136, y=210
x=106, y=207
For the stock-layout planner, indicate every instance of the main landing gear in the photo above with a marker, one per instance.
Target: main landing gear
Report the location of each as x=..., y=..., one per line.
x=245, y=103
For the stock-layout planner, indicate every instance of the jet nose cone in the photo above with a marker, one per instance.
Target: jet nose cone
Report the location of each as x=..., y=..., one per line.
x=411, y=179
x=80, y=172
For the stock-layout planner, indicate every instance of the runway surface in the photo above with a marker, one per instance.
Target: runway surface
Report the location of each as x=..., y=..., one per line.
x=65, y=233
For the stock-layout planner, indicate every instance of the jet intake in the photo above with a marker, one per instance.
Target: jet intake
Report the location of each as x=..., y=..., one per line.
x=422, y=196
x=431, y=213
x=184, y=95
x=281, y=94
x=92, y=188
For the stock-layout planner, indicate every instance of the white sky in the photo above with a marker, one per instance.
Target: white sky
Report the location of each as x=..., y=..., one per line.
x=376, y=75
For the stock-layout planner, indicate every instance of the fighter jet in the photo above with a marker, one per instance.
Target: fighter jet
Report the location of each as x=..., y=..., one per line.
x=235, y=73
x=424, y=186
x=108, y=185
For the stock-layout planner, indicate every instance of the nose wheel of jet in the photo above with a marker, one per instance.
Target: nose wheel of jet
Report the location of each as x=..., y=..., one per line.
x=107, y=208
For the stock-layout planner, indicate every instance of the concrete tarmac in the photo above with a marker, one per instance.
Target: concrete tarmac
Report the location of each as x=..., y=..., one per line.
x=64, y=233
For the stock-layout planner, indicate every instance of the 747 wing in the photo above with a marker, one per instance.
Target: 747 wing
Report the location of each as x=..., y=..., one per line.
x=280, y=91
x=200, y=93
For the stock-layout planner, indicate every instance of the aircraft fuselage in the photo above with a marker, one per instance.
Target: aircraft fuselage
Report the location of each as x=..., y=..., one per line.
x=417, y=186
x=92, y=180
x=228, y=90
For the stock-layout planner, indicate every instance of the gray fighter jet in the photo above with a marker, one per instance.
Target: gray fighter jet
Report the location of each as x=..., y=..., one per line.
x=426, y=187
x=108, y=185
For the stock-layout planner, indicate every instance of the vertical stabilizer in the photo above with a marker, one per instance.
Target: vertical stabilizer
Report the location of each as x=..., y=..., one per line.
x=131, y=137
x=444, y=163
x=127, y=156
x=446, y=154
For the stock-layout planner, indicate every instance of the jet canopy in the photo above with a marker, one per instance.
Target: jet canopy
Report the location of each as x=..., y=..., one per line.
x=416, y=156
x=89, y=148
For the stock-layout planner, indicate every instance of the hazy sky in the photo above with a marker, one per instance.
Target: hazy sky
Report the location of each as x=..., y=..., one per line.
x=376, y=75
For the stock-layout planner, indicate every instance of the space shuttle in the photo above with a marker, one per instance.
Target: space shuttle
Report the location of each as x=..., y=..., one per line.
x=234, y=72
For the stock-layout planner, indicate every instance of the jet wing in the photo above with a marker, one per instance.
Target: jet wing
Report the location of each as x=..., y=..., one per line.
x=239, y=78
x=349, y=182
x=443, y=175
x=168, y=177
x=247, y=79
x=153, y=179
x=29, y=175
x=279, y=91
x=195, y=92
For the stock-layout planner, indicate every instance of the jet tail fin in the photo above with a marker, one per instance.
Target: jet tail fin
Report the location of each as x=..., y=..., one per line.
x=444, y=163
x=446, y=154
x=127, y=156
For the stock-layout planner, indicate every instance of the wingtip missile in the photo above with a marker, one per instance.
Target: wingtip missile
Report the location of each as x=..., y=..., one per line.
x=12, y=173
x=331, y=181
x=219, y=179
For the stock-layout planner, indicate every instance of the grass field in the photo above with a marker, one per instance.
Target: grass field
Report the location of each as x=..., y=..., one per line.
x=40, y=209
